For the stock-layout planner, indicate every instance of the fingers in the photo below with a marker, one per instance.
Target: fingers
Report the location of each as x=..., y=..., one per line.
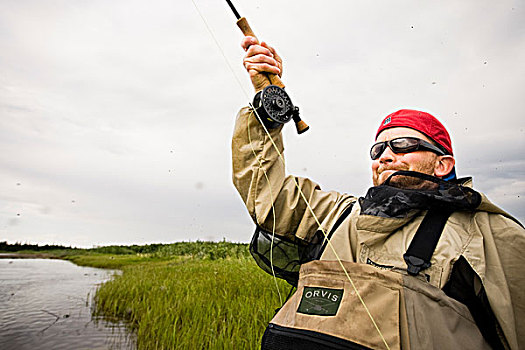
x=272, y=50
x=252, y=47
x=260, y=59
x=262, y=64
x=275, y=56
x=247, y=41
x=261, y=68
x=255, y=50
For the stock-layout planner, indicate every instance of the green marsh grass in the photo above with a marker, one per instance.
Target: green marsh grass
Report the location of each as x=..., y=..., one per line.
x=192, y=303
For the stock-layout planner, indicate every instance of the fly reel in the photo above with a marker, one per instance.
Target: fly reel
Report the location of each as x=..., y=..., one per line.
x=275, y=107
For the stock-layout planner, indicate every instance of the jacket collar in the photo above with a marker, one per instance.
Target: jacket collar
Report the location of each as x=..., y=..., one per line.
x=406, y=192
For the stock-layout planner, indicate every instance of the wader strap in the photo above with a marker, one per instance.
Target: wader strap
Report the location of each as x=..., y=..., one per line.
x=424, y=243
x=328, y=237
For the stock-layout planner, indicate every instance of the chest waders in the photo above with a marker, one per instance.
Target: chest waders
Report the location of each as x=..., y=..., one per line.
x=325, y=313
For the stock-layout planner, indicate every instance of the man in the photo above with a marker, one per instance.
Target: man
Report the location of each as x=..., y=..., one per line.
x=421, y=261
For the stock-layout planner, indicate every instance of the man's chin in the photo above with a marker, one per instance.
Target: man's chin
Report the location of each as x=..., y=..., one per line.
x=384, y=175
x=404, y=181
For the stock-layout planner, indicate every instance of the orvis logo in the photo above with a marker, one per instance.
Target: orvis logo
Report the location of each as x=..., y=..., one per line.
x=387, y=120
x=320, y=301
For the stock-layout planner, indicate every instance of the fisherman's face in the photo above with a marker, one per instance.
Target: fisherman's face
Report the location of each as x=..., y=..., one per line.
x=389, y=162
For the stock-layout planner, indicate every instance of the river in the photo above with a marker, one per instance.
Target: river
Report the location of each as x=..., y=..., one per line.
x=47, y=304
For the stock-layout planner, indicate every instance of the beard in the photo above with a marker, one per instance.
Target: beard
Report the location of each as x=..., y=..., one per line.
x=412, y=183
x=425, y=167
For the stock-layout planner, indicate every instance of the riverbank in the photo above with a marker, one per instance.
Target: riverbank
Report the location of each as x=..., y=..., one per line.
x=185, y=296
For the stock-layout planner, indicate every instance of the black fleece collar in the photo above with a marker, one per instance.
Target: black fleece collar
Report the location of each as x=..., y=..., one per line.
x=425, y=192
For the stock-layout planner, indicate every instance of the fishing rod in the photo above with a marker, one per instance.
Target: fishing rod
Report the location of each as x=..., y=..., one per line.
x=272, y=103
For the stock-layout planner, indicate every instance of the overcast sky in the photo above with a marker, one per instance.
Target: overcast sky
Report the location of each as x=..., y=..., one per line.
x=116, y=116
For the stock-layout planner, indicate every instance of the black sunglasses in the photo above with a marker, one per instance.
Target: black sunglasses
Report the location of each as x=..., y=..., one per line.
x=403, y=145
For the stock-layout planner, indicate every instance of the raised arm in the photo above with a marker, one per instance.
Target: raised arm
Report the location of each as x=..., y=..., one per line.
x=258, y=170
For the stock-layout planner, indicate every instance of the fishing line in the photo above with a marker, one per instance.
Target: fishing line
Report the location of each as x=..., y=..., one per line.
x=296, y=184
x=221, y=50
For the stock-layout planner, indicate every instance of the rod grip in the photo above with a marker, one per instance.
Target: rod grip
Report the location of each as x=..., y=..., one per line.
x=243, y=24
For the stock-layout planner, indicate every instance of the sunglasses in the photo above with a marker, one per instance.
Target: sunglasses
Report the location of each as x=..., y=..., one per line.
x=403, y=145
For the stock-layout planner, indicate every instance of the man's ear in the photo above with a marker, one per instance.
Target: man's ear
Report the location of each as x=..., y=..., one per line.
x=444, y=165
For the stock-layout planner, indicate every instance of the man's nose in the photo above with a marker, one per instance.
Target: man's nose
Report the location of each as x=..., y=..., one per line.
x=387, y=156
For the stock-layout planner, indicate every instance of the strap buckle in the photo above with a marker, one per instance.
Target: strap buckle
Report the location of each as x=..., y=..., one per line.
x=415, y=264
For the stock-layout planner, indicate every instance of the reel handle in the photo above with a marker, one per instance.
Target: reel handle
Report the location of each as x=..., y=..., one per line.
x=242, y=23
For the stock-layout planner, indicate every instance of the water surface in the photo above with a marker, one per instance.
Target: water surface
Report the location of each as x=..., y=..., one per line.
x=47, y=304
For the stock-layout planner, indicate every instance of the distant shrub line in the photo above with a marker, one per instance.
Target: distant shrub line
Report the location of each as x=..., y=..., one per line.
x=198, y=249
x=18, y=247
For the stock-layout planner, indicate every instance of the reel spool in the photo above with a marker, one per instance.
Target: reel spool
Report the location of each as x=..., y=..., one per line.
x=275, y=107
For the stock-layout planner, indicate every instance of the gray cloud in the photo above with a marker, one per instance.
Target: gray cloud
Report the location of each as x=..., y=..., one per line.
x=116, y=117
